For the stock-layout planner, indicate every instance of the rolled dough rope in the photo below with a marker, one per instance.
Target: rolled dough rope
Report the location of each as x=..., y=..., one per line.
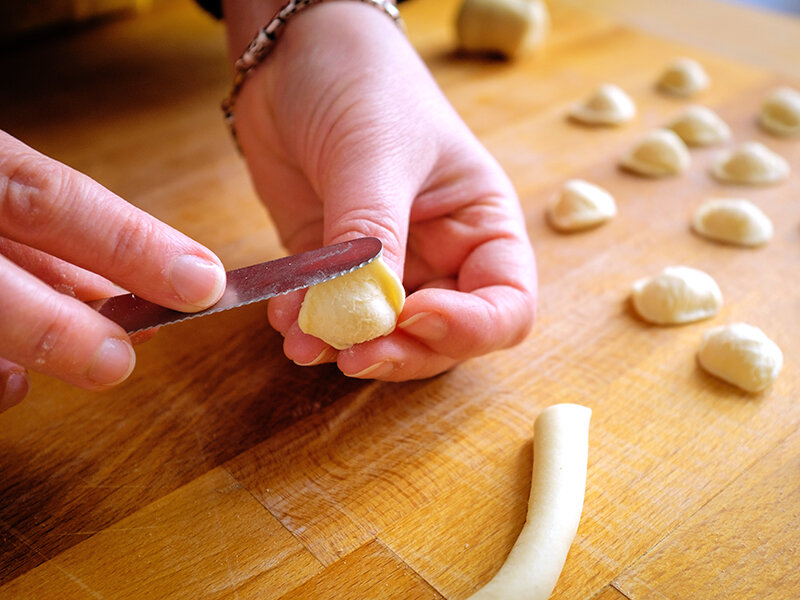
x=561, y=448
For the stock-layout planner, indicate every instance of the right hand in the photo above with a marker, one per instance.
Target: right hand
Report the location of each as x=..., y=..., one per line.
x=65, y=240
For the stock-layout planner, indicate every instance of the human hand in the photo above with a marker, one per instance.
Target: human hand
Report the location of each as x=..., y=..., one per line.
x=346, y=134
x=63, y=240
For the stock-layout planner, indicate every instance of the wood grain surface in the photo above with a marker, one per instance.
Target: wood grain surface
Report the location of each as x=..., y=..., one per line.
x=222, y=470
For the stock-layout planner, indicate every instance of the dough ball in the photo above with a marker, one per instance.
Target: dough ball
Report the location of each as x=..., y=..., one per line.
x=733, y=221
x=780, y=113
x=700, y=126
x=659, y=153
x=506, y=27
x=742, y=355
x=676, y=295
x=684, y=77
x=752, y=163
x=353, y=308
x=580, y=205
x=608, y=105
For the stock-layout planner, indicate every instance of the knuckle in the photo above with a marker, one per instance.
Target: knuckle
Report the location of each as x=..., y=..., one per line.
x=31, y=191
x=129, y=243
x=48, y=338
x=376, y=222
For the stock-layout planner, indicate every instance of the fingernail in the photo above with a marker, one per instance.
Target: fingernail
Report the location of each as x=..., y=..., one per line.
x=16, y=388
x=199, y=282
x=426, y=325
x=376, y=371
x=113, y=362
x=326, y=355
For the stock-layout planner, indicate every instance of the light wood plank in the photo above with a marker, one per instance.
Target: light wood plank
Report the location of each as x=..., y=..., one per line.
x=371, y=571
x=743, y=544
x=210, y=536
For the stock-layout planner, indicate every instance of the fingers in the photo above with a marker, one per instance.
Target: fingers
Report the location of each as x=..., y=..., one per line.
x=396, y=357
x=48, y=206
x=14, y=384
x=58, y=274
x=493, y=308
x=60, y=336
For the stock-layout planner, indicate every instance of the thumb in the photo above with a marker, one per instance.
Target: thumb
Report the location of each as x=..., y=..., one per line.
x=369, y=189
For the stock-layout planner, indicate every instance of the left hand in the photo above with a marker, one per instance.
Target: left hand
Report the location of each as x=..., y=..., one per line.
x=346, y=134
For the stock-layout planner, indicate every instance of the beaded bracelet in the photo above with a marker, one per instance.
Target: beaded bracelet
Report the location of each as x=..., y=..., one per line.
x=265, y=40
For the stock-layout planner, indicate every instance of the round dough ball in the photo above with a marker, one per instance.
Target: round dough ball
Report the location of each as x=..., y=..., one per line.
x=752, y=163
x=780, y=113
x=677, y=295
x=355, y=307
x=608, y=105
x=700, y=126
x=742, y=355
x=733, y=221
x=506, y=27
x=659, y=153
x=581, y=205
x=684, y=77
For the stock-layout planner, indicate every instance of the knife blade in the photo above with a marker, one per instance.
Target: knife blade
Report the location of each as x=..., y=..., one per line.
x=249, y=284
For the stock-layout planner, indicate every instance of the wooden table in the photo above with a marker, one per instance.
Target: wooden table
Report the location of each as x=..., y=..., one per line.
x=222, y=470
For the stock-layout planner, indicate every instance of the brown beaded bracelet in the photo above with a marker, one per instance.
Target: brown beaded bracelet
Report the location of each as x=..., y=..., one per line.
x=265, y=40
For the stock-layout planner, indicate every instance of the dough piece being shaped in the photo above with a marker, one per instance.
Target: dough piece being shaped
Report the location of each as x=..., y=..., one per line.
x=733, y=221
x=558, y=484
x=700, y=126
x=355, y=307
x=752, y=163
x=676, y=295
x=608, y=105
x=742, y=355
x=581, y=205
x=659, y=153
x=780, y=113
x=506, y=27
x=684, y=77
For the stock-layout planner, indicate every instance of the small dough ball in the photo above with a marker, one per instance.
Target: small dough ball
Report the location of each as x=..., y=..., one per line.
x=742, y=355
x=752, y=163
x=780, y=113
x=700, y=126
x=676, y=295
x=353, y=308
x=659, y=153
x=684, y=77
x=506, y=27
x=581, y=205
x=608, y=105
x=733, y=221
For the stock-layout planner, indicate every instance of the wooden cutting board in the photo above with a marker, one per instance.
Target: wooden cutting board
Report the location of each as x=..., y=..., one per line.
x=221, y=470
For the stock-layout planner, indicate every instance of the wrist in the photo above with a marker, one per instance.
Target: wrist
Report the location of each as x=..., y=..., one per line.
x=331, y=19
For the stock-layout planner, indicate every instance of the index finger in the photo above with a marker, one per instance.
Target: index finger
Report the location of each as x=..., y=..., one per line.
x=52, y=207
x=493, y=308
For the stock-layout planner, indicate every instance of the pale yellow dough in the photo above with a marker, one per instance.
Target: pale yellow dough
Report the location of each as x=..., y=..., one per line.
x=558, y=485
x=676, y=295
x=700, y=126
x=752, y=163
x=580, y=205
x=780, y=113
x=607, y=105
x=353, y=308
x=733, y=221
x=684, y=77
x=741, y=354
x=659, y=153
x=507, y=27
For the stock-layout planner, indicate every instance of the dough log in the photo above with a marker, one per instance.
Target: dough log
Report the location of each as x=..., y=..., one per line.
x=561, y=448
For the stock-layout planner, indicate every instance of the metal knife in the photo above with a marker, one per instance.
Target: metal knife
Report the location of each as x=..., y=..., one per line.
x=250, y=284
